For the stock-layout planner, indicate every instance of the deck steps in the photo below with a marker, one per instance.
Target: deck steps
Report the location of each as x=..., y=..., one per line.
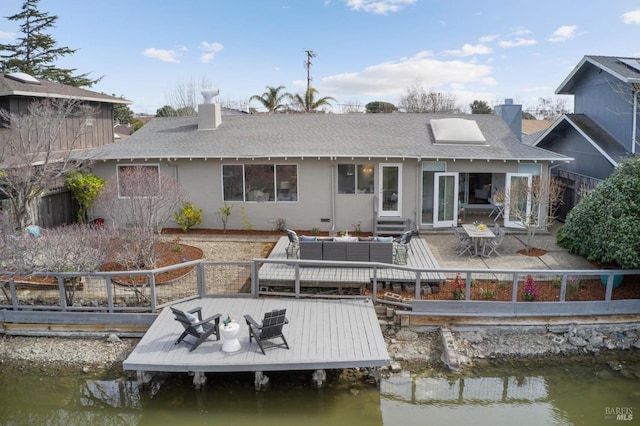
x=391, y=225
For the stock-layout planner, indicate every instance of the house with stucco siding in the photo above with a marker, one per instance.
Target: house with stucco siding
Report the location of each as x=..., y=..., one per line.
x=334, y=172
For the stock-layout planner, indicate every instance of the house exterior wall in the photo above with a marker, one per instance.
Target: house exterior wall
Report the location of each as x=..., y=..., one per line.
x=588, y=160
x=99, y=132
x=597, y=95
x=317, y=191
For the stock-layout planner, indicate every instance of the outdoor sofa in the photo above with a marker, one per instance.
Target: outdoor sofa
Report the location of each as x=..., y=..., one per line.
x=349, y=249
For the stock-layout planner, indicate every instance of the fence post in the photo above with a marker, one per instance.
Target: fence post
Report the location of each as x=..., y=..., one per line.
x=374, y=288
x=14, y=293
x=297, y=281
x=467, y=291
x=418, y=283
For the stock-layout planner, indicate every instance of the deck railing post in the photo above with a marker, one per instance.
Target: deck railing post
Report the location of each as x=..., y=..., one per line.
x=14, y=293
x=200, y=277
x=63, y=296
x=152, y=289
x=375, y=284
x=607, y=293
x=563, y=288
x=110, y=293
x=514, y=288
x=418, y=283
x=255, y=280
x=297, y=280
x=467, y=291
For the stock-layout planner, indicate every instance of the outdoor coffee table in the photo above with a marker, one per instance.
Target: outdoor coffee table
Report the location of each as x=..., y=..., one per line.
x=476, y=235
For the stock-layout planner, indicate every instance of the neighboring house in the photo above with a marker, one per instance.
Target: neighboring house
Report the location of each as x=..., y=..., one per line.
x=334, y=172
x=603, y=129
x=18, y=90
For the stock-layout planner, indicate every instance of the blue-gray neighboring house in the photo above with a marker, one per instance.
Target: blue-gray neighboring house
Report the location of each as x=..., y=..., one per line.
x=603, y=128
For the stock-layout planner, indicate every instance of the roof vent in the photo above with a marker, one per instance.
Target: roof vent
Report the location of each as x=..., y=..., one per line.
x=22, y=77
x=209, y=95
x=457, y=131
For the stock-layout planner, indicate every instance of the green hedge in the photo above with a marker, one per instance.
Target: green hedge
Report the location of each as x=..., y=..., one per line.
x=605, y=225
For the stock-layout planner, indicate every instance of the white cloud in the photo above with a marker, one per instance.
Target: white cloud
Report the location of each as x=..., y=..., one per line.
x=162, y=54
x=519, y=41
x=469, y=50
x=488, y=38
x=393, y=78
x=210, y=50
x=378, y=7
x=632, y=17
x=7, y=36
x=563, y=33
x=520, y=31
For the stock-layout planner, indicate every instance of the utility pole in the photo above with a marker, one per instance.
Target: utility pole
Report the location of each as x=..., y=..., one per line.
x=307, y=65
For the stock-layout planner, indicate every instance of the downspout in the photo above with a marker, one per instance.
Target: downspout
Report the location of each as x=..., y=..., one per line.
x=333, y=199
x=635, y=120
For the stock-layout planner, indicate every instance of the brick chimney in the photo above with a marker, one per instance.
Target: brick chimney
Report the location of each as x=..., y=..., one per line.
x=209, y=112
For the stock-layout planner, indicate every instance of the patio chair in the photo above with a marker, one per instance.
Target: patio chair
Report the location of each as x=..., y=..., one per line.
x=195, y=326
x=401, y=247
x=493, y=244
x=270, y=329
x=293, y=248
x=463, y=242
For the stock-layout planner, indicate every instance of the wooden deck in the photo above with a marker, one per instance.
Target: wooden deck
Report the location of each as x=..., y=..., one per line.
x=322, y=334
x=418, y=257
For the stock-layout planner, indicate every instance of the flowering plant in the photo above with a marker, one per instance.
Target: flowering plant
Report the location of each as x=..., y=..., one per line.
x=530, y=291
x=458, y=288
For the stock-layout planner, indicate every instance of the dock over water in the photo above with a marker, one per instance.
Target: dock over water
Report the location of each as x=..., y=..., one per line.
x=322, y=335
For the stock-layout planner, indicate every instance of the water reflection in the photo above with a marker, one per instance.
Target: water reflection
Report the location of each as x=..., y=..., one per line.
x=559, y=395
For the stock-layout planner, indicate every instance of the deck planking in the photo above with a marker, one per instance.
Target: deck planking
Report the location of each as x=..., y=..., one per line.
x=322, y=334
x=418, y=257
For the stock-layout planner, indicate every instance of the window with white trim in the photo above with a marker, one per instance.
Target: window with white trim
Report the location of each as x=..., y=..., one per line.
x=260, y=182
x=355, y=178
x=138, y=180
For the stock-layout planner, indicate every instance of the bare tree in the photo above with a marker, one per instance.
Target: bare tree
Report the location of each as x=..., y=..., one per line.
x=36, y=151
x=417, y=99
x=352, y=107
x=534, y=204
x=140, y=200
x=185, y=96
x=550, y=108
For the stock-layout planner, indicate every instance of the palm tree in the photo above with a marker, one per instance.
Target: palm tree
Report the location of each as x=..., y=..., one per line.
x=272, y=99
x=307, y=101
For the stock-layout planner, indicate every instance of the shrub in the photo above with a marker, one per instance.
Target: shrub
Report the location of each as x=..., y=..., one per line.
x=84, y=188
x=605, y=225
x=188, y=216
x=530, y=290
x=223, y=213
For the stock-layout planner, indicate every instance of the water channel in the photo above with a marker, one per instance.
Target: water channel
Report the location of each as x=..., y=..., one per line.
x=594, y=393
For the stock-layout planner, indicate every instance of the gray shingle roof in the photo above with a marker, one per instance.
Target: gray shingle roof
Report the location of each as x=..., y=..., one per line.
x=614, y=65
x=49, y=89
x=316, y=135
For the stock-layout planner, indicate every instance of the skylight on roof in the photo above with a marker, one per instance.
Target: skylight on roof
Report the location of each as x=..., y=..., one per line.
x=457, y=131
x=23, y=77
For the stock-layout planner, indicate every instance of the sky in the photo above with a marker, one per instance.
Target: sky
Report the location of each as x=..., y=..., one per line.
x=365, y=50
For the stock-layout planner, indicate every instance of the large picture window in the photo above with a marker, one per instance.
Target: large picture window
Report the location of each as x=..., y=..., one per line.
x=355, y=179
x=260, y=182
x=138, y=181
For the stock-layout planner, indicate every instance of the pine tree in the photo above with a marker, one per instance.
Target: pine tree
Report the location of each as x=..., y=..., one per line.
x=35, y=53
